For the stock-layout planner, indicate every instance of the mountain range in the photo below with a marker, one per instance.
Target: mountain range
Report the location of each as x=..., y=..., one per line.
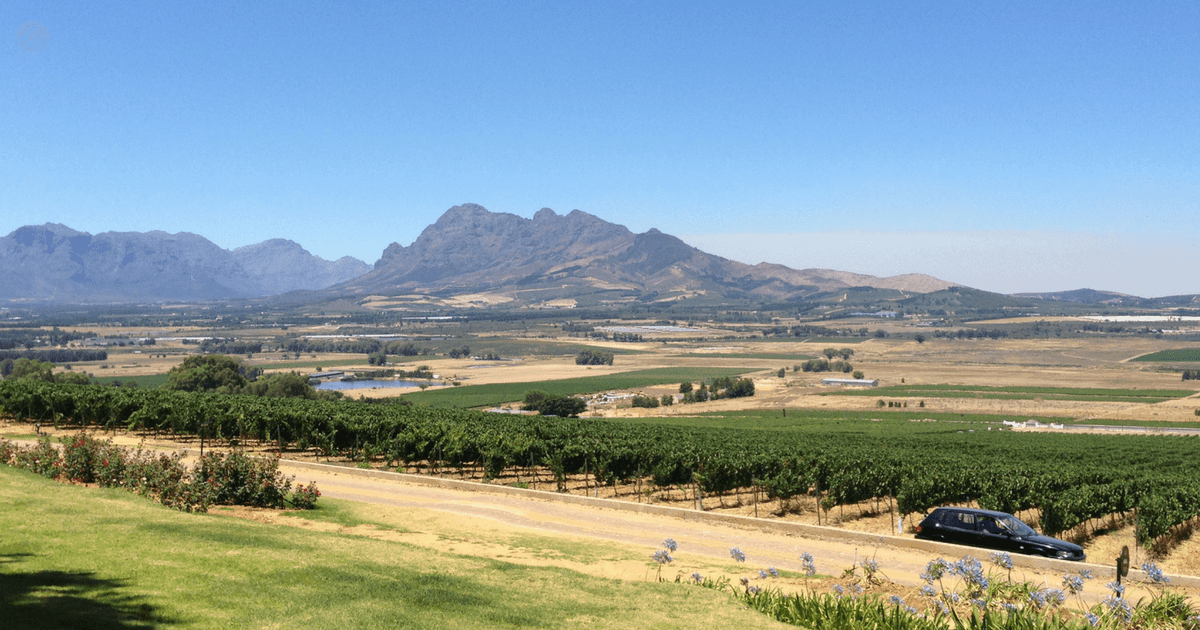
x=54, y=263
x=470, y=253
x=502, y=257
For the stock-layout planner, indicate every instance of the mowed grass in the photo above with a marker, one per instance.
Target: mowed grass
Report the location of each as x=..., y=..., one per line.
x=1018, y=393
x=499, y=393
x=74, y=557
x=1181, y=355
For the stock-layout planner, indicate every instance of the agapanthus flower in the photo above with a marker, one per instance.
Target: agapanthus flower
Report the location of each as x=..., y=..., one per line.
x=737, y=554
x=1155, y=574
x=936, y=569
x=697, y=577
x=1038, y=599
x=1118, y=589
x=837, y=588
x=927, y=591
x=1055, y=597
x=869, y=565
x=1092, y=619
x=762, y=575
x=773, y=572
x=897, y=600
x=662, y=556
x=754, y=590
x=807, y=564
x=910, y=610
x=1073, y=583
x=671, y=545
x=1010, y=607
x=1002, y=560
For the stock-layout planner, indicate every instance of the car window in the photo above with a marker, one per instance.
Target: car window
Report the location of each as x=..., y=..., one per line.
x=988, y=524
x=961, y=520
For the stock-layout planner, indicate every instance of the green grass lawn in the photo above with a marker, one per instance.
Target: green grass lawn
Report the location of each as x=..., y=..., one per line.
x=1182, y=355
x=74, y=557
x=498, y=393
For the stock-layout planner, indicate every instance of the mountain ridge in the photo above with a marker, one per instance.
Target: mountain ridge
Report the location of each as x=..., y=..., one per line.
x=55, y=263
x=555, y=257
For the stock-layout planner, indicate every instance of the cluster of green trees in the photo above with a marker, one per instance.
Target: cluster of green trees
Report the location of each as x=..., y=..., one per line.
x=226, y=375
x=650, y=402
x=845, y=353
x=588, y=356
x=551, y=405
x=1191, y=375
x=822, y=365
x=723, y=387
x=34, y=370
x=460, y=353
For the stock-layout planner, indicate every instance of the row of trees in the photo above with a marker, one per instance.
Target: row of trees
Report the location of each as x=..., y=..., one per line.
x=57, y=355
x=1191, y=375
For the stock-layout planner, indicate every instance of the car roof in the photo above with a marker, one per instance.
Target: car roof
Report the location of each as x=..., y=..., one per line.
x=972, y=511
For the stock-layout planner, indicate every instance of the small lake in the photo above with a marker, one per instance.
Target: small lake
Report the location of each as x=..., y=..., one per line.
x=338, y=385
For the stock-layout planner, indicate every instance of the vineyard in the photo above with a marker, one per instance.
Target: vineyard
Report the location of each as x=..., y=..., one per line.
x=1148, y=396
x=1069, y=479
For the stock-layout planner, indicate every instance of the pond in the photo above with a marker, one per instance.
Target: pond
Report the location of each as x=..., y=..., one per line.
x=338, y=385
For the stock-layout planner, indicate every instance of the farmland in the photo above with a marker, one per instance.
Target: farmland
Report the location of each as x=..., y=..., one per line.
x=1182, y=355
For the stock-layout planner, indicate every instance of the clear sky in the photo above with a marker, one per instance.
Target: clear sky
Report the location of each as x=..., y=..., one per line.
x=1015, y=146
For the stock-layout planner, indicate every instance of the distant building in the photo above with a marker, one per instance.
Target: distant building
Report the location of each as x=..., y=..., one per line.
x=851, y=382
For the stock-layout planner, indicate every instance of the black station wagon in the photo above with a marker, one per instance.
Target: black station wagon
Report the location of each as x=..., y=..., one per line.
x=994, y=530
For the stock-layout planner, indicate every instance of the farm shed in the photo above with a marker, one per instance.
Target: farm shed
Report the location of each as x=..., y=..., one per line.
x=851, y=382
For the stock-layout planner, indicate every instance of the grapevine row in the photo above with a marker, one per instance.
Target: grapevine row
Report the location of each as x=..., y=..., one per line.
x=1069, y=478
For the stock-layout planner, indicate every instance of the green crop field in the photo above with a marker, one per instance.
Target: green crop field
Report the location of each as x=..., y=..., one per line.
x=1017, y=393
x=73, y=557
x=1181, y=355
x=498, y=393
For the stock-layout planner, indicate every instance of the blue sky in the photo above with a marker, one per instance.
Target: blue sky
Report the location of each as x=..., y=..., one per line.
x=1051, y=142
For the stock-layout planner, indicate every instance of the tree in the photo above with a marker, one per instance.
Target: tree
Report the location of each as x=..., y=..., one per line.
x=781, y=373
x=685, y=387
x=859, y=375
x=32, y=370
x=6, y=368
x=551, y=405
x=210, y=373
x=830, y=353
x=667, y=400
x=846, y=353
x=920, y=337
x=588, y=356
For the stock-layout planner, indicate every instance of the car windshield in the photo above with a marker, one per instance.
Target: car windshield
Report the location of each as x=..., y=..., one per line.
x=1018, y=528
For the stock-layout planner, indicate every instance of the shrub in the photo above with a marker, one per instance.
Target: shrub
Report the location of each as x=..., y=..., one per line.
x=236, y=479
x=41, y=458
x=80, y=454
x=648, y=402
x=593, y=357
x=305, y=497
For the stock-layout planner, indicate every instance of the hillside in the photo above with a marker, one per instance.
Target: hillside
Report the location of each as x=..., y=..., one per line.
x=581, y=257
